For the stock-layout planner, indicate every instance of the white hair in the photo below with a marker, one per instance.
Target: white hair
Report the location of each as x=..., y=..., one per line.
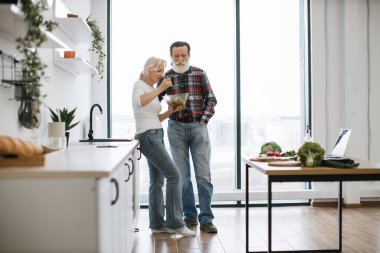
x=151, y=63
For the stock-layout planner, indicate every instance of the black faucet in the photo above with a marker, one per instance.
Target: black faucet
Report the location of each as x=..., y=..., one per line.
x=90, y=132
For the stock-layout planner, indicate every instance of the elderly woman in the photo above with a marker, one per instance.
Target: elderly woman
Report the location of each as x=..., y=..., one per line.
x=146, y=109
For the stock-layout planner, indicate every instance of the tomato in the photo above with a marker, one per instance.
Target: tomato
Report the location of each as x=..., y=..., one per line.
x=275, y=154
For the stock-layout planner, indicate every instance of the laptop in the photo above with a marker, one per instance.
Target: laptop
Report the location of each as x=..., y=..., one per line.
x=340, y=144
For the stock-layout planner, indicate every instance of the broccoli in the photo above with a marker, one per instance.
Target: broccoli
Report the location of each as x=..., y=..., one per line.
x=270, y=147
x=290, y=153
x=311, y=154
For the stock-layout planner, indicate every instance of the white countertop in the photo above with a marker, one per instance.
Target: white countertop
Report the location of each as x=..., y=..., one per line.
x=76, y=161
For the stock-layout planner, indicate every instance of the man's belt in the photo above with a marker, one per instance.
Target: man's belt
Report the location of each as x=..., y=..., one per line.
x=188, y=119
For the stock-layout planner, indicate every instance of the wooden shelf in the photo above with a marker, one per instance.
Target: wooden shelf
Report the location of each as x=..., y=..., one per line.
x=74, y=66
x=13, y=26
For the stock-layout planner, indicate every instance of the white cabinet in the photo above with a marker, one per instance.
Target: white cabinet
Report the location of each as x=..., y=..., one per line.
x=119, y=207
x=76, y=213
x=133, y=198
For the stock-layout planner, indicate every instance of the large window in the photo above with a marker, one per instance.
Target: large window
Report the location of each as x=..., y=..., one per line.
x=272, y=53
x=270, y=88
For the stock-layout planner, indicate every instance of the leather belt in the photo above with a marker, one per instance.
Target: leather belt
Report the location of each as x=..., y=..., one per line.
x=188, y=119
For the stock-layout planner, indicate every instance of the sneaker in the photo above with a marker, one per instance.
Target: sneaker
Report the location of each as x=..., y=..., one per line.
x=160, y=230
x=182, y=231
x=209, y=228
x=190, y=223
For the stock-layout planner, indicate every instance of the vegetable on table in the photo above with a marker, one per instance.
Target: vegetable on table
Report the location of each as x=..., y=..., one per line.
x=271, y=146
x=344, y=163
x=311, y=154
x=290, y=153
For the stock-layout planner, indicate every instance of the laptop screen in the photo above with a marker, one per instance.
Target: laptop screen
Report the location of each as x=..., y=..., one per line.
x=341, y=142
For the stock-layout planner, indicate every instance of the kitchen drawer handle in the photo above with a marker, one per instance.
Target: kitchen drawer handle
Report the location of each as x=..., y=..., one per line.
x=139, y=153
x=113, y=180
x=129, y=172
x=133, y=166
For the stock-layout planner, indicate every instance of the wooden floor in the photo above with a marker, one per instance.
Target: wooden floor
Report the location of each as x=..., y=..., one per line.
x=299, y=228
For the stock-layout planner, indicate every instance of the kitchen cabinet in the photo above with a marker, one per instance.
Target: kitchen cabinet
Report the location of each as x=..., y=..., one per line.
x=120, y=209
x=84, y=200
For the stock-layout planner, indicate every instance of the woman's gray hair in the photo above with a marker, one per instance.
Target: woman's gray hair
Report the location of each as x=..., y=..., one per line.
x=151, y=63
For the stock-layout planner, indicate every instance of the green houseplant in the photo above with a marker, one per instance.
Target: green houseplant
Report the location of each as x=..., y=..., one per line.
x=64, y=115
x=33, y=67
x=97, y=45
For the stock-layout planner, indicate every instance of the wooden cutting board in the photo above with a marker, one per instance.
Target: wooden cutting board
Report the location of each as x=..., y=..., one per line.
x=269, y=158
x=21, y=160
x=285, y=163
x=12, y=160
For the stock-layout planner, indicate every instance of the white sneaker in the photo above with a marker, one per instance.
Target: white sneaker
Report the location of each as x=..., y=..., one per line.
x=182, y=231
x=161, y=230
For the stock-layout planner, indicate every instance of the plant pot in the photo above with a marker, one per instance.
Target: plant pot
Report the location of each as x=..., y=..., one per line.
x=56, y=129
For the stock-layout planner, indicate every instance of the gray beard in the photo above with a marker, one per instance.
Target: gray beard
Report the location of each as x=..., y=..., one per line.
x=181, y=69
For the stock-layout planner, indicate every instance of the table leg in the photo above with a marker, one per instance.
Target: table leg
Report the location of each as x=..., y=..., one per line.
x=269, y=215
x=246, y=208
x=340, y=216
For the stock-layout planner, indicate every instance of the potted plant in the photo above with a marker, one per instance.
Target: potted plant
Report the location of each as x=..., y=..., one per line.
x=66, y=116
x=33, y=67
x=97, y=45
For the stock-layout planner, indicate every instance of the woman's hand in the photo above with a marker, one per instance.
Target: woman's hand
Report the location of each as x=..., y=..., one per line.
x=178, y=108
x=166, y=83
x=170, y=110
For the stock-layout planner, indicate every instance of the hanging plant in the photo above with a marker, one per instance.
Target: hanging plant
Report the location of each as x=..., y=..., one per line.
x=33, y=67
x=97, y=45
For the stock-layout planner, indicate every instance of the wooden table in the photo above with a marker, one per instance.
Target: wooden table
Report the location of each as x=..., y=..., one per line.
x=365, y=172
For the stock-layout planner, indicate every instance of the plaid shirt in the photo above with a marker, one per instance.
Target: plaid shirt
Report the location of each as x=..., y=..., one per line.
x=201, y=100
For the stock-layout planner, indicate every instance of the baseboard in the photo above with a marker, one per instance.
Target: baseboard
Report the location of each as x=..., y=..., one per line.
x=327, y=203
x=334, y=203
x=370, y=203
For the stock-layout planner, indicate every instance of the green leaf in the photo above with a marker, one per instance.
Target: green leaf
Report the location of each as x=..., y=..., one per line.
x=64, y=116
x=53, y=116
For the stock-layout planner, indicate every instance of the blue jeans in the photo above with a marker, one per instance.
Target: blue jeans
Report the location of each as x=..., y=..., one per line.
x=194, y=137
x=161, y=166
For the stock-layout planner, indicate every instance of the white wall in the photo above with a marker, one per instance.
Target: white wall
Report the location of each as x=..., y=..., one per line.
x=62, y=88
x=345, y=78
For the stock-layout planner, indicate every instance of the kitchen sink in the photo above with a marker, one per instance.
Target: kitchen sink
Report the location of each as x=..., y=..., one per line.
x=106, y=140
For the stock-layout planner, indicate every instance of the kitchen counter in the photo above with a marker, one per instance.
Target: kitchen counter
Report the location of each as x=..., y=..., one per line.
x=77, y=161
x=84, y=199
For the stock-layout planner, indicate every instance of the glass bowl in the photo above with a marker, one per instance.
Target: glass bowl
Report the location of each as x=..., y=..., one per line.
x=176, y=100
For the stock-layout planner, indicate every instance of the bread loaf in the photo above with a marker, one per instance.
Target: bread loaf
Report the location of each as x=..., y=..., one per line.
x=14, y=146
